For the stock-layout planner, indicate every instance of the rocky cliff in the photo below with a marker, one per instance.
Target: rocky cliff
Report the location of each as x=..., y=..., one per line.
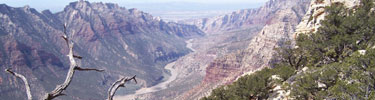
x=261, y=52
x=121, y=41
x=282, y=21
x=316, y=13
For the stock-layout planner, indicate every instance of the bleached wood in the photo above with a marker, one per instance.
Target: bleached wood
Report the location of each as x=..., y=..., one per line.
x=119, y=83
x=27, y=85
x=73, y=66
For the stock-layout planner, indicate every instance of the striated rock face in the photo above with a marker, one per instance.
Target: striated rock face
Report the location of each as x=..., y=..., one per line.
x=25, y=46
x=241, y=19
x=316, y=13
x=121, y=20
x=191, y=68
x=121, y=41
x=279, y=27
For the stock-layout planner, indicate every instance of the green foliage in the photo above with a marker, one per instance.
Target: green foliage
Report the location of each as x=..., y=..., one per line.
x=340, y=58
x=254, y=86
x=290, y=56
x=333, y=54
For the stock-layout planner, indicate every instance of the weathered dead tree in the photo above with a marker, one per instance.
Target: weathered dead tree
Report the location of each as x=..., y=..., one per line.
x=27, y=85
x=58, y=91
x=119, y=83
x=73, y=67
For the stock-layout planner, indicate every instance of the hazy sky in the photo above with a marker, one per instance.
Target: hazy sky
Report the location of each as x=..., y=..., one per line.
x=147, y=5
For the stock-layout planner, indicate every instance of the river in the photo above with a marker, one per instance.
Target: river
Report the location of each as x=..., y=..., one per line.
x=159, y=86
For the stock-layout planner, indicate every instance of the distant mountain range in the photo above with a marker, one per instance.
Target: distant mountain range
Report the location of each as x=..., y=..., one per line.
x=131, y=42
x=121, y=41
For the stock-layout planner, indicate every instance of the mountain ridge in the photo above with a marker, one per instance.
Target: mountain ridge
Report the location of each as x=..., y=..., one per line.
x=278, y=27
x=130, y=42
x=239, y=19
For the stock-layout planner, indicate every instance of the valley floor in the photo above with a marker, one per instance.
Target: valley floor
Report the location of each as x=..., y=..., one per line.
x=188, y=71
x=162, y=85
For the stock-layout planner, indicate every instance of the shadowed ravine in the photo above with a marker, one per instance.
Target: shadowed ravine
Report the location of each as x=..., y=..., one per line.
x=162, y=85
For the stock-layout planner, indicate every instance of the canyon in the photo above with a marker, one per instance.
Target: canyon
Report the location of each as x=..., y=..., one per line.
x=179, y=61
x=124, y=42
x=282, y=17
x=235, y=45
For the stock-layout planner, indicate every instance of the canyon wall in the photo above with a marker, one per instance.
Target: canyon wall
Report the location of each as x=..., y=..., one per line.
x=124, y=42
x=280, y=26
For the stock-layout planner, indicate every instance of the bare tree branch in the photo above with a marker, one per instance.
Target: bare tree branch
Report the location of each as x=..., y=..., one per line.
x=78, y=57
x=27, y=85
x=65, y=36
x=119, y=83
x=88, y=69
x=300, y=58
x=73, y=66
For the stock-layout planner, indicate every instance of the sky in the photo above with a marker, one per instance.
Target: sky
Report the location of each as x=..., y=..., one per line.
x=146, y=5
x=169, y=10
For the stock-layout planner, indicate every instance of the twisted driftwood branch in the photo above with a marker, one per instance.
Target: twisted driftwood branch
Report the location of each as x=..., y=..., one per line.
x=27, y=85
x=119, y=83
x=73, y=66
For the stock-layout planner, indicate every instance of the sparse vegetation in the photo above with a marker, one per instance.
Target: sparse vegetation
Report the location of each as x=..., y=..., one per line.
x=338, y=61
x=254, y=86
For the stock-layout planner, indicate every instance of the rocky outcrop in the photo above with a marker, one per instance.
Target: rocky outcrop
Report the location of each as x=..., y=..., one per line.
x=121, y=41
x=310, y=24
x=279, y=27
x=316, y=13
